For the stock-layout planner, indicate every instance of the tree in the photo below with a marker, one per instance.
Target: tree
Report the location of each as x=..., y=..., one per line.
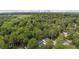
x=69, y=47
x=2, y=43
x=59, y=42
x=76, y=40
x=25, y=41
x=37, y=33
x=32, y=43
x=41, y=46
x=48, y=45
x=6, y=28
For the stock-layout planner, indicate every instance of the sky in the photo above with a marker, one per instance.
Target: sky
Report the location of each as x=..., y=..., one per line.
x=39, y=4
x=17, y=11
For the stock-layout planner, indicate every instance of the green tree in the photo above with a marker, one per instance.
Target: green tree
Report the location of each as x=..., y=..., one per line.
x=69, y=47
x=41, y=46
x=48, y=45
x=2, y=43
x=32, y=43
x=6, y=28
x=76, y=40
x=59, y=42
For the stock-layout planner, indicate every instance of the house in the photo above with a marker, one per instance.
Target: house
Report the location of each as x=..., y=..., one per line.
x=67, y=42
x=42, y=41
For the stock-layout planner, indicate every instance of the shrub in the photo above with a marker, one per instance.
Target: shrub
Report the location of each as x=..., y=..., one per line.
x=32, y=43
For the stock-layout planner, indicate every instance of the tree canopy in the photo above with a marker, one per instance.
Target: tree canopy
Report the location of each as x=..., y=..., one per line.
x=31, y=30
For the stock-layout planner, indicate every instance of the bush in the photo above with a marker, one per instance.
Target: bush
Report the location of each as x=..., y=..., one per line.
x=76, y=40
x=69, y=47
x=2, y=43
x=48, y=45
x=59, y=42
x=32, y=43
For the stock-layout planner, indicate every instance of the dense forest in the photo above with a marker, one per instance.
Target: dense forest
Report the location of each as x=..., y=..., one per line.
x=39, y=31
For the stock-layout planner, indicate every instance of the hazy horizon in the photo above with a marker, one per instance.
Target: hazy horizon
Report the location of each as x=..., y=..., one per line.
x=15, y=11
